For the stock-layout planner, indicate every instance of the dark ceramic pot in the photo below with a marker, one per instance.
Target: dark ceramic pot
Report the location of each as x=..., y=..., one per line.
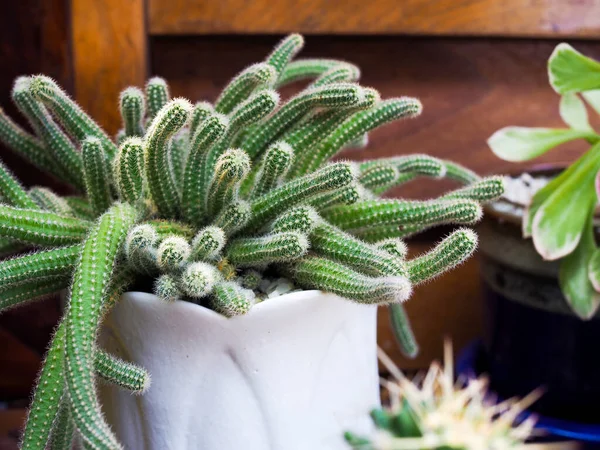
x=532, y=339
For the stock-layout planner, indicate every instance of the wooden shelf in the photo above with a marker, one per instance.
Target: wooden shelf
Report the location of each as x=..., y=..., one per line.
x=517, y=18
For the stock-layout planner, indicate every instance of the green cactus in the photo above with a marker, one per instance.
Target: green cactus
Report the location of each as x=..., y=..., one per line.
x=277, y=247
x=242, y=85
x=167, y=288
x=128, y=170
x=161, y=180
x=13, y=192
x=50, y=201
x=96, y=175
x=276, y=162
x=157, y=95
x=78, y=124
x=205, y=203
x=231, y=299
x=328, y=275
x=435, y=412
x=231, y=169
x=132, y=106
x=208, y=244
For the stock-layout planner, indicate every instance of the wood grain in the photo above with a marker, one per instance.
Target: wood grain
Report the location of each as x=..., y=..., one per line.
x=540, y=18
x=109, y=54
x=469, y=89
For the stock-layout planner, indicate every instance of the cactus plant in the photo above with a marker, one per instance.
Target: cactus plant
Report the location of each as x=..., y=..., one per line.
x=437, y=413
x=559, y=218
x=203, y=201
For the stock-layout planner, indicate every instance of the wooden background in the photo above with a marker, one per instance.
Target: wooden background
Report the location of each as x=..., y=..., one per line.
x=477, y=65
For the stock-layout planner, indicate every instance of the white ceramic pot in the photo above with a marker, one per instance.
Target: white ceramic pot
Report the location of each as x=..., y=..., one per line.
x=294, y=373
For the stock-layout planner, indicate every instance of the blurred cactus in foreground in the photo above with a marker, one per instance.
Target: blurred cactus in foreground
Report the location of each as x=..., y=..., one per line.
x=437, y=413
x=203, y=203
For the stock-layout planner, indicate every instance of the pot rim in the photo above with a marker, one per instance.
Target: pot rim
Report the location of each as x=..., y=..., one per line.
x=264, y=307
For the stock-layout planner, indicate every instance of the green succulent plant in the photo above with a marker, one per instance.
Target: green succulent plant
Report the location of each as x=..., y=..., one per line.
x=560, y=216
x=433, y=412
x=202, y=201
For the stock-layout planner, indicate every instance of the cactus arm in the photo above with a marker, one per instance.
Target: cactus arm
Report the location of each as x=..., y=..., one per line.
x=248, y=112
x=133, y=108
x=234, y=217
x=484, y=190
x=452, y=251
x=345, y=196
x=283, y=53
x=339, y=74
x=171, y=118
x=360, y=123
x=208, y=132
x=231, y=299
x=251, y=279
x=276, y=162
x=201, y=111
x=97, y=181
x=41, y=227
x=373, y=213
x=307, y=136
x=230, y=170
x=460, y=173
x=166, y=287
x=332, y=243
x=9, y=247
x=47, y=395
x=128, y=170
x=178, y=154
x=279, y=247
x=359, y=142
x=165, y=228
x=90, y=284
x=77, y=123
x=405, y=336
x=80, y=207
x=395, y=247
x=140, y=249
x=38, y=267
x=302, y=219
x=157, y=96
x=63, y=430
x=30, y=291
x=305, y=68
x=378, y=176
x=339, y=95
x=27, y=146
x=198, y=279
x=172, y=254
x=47, y=200
x=208, y=244
x=243, y=84
x=330, y=276
x=64, y=154
x=124, y=374
x=331, y=177
x=12, y=192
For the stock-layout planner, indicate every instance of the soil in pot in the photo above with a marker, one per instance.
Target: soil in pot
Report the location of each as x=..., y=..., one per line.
x=531, y=337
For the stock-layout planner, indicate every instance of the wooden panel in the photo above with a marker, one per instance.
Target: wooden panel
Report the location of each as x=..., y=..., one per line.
x=468, y=88
x=109, y=54
x=545, y=18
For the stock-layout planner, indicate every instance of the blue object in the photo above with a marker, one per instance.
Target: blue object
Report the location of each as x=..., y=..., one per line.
x=467, y=365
